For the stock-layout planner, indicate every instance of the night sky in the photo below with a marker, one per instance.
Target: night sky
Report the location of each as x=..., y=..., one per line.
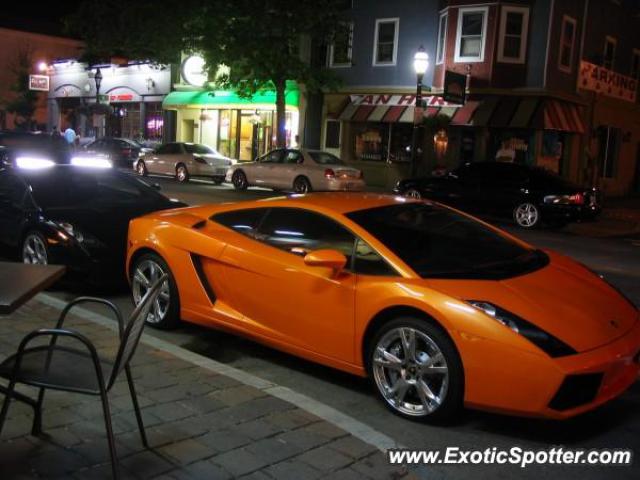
x=43, y=17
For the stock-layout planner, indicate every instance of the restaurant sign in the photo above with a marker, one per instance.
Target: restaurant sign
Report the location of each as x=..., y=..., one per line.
x=601, y=80
x=39, y=83
x=381, y=100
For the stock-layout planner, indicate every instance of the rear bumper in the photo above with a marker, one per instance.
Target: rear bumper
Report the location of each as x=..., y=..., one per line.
x=341, y=185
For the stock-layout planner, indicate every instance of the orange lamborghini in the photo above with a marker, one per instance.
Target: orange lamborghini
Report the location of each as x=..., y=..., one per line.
x=440, y=310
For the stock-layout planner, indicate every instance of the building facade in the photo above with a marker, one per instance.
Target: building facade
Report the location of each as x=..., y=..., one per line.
x=527, y=100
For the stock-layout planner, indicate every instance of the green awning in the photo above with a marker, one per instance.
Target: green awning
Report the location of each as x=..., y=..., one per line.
x=220, y=98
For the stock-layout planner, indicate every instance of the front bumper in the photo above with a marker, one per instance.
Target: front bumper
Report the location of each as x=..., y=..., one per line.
x=202, y=170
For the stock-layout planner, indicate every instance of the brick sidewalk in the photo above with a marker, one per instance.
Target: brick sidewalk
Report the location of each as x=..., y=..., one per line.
x=200, y=424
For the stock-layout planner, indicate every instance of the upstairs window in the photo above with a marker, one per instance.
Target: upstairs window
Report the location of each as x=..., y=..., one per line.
x=514, y=25
x=567, y=44
x=340, y=50
x=635, y=64
x=609, y=57
x=385, y=43
x=471, y=34
x=442, y=38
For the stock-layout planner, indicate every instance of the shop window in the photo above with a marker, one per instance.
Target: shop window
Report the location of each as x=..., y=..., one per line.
x=514, y=24
x=635, y=64
x=567, y=44
x=442, y=38
x=370, y=141
x=385, y=42
x=154, y=121
x=341, y=48
x=227, y=133
x=332, y=134
x=609, y=139
x=471, y=33
x=609, y=57
x=400, y=143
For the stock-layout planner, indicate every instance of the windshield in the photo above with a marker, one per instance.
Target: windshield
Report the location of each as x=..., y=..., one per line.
x=325, y=158
x=439, y=243
x=198, y=149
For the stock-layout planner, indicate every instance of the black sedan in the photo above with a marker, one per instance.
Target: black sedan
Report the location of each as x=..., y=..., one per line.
x=121, y=151
x=74, y=216
x=33, y=149
x=529, y=195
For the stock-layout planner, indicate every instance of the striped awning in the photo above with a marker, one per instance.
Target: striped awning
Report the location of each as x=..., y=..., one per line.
x=388, y=114
x=562, y=116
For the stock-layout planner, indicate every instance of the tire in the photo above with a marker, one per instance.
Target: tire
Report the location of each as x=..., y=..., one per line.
x=239, y=180
x=413, y=193
x=165, y=313
x=429, y=393
x=527, y=215
x=302, y=185
x=34, y=249
x=141, y=168
x=182, y=174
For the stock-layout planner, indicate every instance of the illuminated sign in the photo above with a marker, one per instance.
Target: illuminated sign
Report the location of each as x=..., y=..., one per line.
x=194, y=71
x=39, y=82
x=601, y=80
x=399, y=100
x=126, y=97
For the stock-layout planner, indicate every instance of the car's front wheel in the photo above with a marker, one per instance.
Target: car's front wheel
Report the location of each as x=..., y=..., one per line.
x=182, y=174
x=34, y=249
x=413, y=193
x=165, y=311
x=239, y=180
x=141, y=168
x=302, y=185
x=416, y=369
x=527, y=215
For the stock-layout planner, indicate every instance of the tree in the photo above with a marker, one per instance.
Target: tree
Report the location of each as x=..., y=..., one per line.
x=263, y=42
x=22, y=102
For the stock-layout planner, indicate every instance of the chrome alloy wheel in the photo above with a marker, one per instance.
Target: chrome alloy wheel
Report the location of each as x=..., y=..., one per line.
x=145, y=275
x=34, y=250
x=526, y=215
x=413, y=193
x=410, y=371
x=181, y=173
x=142, y=169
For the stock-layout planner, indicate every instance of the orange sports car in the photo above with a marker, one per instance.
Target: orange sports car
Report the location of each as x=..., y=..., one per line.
x=439, y=309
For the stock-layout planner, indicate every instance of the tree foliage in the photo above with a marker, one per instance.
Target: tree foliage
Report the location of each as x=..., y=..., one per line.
x=23, y=101
x=263, y=42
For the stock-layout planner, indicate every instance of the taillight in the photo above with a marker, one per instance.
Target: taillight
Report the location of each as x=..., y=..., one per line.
x=329, y=173
x=576, y=199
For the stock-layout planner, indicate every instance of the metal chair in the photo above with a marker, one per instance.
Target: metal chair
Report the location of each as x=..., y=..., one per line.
x=68, y=369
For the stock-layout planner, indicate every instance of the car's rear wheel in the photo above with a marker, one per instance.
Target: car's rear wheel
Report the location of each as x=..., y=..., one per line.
x=165, y=312
x=239, y=180
x=527, y=215
x=302, y=185
x=182, y=174
x=141, y=168
x=416, y=370
x=413, y=193
x=34, y=249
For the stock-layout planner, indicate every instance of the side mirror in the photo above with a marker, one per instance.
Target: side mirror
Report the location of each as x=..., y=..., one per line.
x=332, y=259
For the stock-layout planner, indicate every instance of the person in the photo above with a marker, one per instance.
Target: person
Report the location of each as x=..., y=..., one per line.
x=506, y=153
x=55, y=132
x=70, y=136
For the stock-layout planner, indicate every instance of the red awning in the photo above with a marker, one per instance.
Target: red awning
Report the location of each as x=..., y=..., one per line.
x=562, y=116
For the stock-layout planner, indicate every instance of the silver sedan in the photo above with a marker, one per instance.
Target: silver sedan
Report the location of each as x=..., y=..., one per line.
x=299, y=170
x=183, y=161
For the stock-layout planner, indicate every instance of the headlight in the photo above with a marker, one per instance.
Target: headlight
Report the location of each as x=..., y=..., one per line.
x=34, y=162
x=543, y=340
x=81, y=237
x=67, y=227
x=95, y=162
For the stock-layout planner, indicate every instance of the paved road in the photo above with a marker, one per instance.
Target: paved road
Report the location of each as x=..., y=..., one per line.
x=616, y=425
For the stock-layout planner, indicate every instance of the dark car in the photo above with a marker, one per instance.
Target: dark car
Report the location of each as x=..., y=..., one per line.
x=74, y=216
x=529, y=195
x=122, y=151
x=33, y=148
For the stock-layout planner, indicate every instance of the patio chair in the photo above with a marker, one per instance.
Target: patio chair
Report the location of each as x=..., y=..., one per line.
x=79, y=370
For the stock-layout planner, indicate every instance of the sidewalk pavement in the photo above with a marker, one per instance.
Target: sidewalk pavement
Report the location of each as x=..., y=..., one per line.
x=200, y=424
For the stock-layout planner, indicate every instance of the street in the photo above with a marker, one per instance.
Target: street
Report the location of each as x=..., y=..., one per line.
x=615, y=425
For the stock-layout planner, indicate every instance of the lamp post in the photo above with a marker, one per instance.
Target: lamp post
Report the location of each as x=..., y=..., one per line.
x=420, y=66
x=98, y=79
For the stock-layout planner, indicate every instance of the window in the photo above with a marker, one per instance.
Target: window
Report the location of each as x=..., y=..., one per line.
x=341, y=48
x=12, y=190
x=385, y=43
x=332, y=134
x=325, y=158
x=197, y=149
x=301, y=231
x=609, y=139
x=470, y=37
x=368, y=262
x=169, y=149
x=635, y=64
x=242, y=221
x=442, y=38
x=275, y=156
x=370, y=141
x=567, y=43
x=609, y=57
x=293, y=156
x=514, y=25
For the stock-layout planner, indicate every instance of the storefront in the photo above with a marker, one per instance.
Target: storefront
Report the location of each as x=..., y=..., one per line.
x=238, y=127
x=131, y=96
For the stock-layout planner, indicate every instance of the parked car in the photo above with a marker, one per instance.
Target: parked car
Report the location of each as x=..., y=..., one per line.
x=122, y=151
x=33, y=149
x=183, y=161
x=297, y=169
x=73, y=216
x=438, y=309
x=529, y=195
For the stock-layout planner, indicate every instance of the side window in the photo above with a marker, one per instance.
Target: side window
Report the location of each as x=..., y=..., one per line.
x=293, y=156
x=164, y=149
x=300, y=231
x=273, y=157
x=242, y=221
x=368, y=262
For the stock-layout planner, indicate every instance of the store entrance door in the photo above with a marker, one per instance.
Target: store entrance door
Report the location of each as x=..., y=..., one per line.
x=187, y=130
x=247, y=128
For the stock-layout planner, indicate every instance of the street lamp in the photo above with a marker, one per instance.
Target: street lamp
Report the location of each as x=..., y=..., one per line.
x=98, y=79
x=420, y=66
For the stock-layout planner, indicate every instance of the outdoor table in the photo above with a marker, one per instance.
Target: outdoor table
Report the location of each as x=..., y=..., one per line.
x=19, y=283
